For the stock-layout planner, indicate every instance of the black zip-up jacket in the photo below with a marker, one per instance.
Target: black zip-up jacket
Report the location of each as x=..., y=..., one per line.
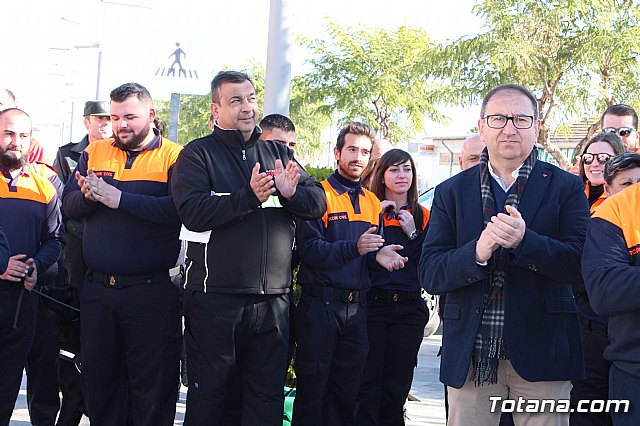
x=249, y=250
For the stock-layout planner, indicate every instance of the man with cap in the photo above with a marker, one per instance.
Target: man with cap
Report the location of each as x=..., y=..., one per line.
x=97, y=121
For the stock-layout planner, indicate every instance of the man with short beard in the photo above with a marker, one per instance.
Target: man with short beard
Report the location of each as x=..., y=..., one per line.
x=336, y=252
x=30, y=216
x=130, y=321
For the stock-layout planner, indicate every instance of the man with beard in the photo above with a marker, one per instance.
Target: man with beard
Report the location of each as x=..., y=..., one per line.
x=130, y=320
x=33, y=224
x=336, y=252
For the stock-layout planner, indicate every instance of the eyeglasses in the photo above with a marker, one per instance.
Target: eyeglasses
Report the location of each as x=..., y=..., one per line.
x=622, y=131
x=602, y=157
x=497, y=121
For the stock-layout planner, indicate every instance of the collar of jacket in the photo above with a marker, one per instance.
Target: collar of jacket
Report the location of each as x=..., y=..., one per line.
x=81, y=146
x=233, y=138
x=342, y=184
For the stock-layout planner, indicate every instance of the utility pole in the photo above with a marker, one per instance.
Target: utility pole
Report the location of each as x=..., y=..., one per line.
x=277, y=90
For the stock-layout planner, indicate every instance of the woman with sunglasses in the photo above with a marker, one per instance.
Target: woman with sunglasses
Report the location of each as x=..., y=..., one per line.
x=396, y=312
x=600, y=148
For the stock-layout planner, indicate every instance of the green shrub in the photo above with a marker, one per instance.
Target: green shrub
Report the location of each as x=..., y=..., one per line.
x=320, y=173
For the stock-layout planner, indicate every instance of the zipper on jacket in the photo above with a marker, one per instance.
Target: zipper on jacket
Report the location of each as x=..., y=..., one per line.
x=265, y=247
x=245, y=163
x=265, y=233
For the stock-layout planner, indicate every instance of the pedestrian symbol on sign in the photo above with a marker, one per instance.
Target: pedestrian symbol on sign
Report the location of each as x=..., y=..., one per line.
x=177, y=60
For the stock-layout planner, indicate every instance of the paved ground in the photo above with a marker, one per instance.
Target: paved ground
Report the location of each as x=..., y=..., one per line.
x=429, y=410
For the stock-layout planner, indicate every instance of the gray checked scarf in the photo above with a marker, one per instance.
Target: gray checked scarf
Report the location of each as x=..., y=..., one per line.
x=489, y=344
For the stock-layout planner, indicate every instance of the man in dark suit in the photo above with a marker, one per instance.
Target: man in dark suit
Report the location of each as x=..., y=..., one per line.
x=504, y=243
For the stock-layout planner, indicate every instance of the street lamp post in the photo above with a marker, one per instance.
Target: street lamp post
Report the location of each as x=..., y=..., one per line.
x=98, y=46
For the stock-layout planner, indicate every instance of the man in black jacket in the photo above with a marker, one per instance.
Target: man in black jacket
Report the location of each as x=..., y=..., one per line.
x=97, y=120
x=240, y=196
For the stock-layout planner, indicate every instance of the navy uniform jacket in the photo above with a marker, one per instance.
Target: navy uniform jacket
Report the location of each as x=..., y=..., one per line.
x=611, y=270
x=141, y=235
x=541, y=322
x=328, y=246
x=5, y=252
x=31, y=219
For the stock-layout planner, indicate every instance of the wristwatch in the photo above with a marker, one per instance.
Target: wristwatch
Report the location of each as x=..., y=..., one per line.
x=413, y=235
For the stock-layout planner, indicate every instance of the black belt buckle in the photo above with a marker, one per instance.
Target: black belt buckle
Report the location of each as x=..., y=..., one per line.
x=112, y=281
x=395, y=297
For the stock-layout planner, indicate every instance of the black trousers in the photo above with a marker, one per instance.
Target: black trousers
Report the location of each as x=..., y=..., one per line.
x=596, y=384
x=232, y=411
x=395, y=333
x=331, y=352
x=43, y=399
x=15, y=343
x=69, y=378
x=234, y=337
x=73, y=255
x=73, y=405
x=130, y=352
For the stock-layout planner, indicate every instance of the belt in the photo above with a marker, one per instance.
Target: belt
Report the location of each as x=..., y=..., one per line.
x=121, y=281
x=339, y=295
x=393, y=296
x=594, y=326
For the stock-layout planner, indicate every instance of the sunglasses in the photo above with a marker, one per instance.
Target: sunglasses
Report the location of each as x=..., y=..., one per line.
x=622, y=131
x=602, y=157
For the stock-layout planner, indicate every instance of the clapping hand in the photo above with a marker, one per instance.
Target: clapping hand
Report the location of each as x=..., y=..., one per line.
x=286, y=179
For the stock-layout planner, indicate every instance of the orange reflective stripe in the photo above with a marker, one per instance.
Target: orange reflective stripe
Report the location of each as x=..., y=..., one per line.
x=34, y=187
x=341, y=204
x=150, y=165
x=621, y=210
